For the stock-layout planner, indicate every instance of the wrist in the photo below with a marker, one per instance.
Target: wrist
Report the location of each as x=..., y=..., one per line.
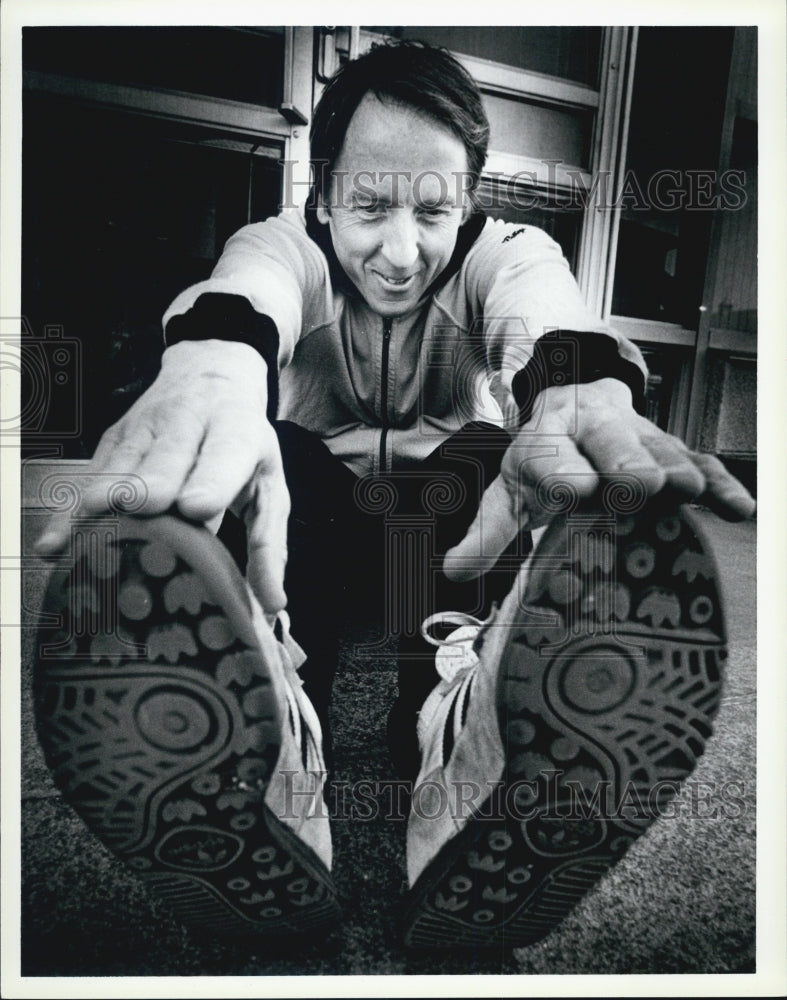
x=217, y=357
x=231, y=322
x=612, y=388
x=563, y=358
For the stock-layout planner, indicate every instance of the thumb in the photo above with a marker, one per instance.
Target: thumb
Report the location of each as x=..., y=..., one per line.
x=56, y=534
x=495, y=526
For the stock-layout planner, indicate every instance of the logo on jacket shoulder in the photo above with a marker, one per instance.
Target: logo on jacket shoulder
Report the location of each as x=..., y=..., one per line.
x=510, y=236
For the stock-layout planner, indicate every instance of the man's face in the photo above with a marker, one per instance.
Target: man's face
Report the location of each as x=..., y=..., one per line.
x=396, y=203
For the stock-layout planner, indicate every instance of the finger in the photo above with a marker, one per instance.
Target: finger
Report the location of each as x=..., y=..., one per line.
x=265, y=513
x=615, y=446
x=96, y=487
x=114, y=438
x=545, y=471
x=495, y=526
x=541, y=476
x=129, y=465
x=723, y=494
x=228, y=458
x=535, y=468
x=56, y=534
x=683, y=475
x=168, y=461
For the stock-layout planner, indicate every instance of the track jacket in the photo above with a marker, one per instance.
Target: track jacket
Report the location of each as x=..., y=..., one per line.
x=503, y=321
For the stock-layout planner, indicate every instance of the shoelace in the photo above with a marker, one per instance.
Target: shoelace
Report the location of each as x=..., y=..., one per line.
x=456, y=661
x=455, y=653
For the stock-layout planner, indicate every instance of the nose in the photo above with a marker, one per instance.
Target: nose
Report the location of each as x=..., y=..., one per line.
x=400, y=239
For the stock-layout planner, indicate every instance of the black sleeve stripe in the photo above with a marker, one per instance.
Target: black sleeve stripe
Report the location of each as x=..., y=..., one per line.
x=216, y=316
x=564, y=357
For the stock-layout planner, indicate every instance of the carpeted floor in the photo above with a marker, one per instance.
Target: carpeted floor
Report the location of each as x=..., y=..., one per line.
x=681, y=901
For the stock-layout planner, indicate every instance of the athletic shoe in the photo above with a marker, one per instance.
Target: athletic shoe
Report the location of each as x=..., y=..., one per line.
x=173, y=721
x=561, y=731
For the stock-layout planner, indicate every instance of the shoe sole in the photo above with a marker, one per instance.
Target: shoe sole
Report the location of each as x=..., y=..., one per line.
x=607, y=686
x=161, y=724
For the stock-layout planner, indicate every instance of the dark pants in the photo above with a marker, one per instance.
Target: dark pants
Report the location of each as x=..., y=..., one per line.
x=381, y=540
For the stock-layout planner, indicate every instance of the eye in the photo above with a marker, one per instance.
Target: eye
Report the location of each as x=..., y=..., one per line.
x=434, y=213
x=369, y=209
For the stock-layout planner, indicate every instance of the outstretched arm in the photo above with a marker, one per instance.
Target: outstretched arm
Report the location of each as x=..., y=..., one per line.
x=201, y=442
x=581, y=436
x=200, y=438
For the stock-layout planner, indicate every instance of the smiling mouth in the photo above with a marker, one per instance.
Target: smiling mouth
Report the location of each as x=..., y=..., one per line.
x=394, y=282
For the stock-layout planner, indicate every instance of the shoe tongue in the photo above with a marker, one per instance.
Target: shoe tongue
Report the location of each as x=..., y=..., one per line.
x=457, y=715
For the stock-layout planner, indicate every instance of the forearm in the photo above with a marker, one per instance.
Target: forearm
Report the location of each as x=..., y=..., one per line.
x=271, y=266
x=231, y=318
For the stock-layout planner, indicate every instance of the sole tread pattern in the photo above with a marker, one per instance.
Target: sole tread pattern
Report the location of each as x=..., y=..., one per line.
x=160, y=724
x=604, y=707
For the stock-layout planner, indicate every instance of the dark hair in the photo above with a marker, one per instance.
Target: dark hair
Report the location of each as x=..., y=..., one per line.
x=407, y=72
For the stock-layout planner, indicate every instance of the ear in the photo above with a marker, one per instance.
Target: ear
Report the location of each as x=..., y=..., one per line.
x=323, y=215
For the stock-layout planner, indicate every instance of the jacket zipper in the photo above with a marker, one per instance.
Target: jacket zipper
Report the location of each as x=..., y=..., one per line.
x=387, y=326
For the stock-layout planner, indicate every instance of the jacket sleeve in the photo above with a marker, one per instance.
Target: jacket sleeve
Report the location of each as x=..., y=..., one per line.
x=275, y=268
x=537, y=329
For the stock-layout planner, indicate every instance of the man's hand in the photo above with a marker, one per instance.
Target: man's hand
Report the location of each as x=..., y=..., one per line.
x=199, y=440
x=582, y=437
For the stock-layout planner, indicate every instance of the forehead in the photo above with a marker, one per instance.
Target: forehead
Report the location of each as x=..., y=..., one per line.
x=384, y=138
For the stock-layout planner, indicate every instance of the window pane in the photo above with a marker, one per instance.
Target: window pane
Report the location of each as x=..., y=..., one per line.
x=664, y=370
x=736, y=267
x=540, y=132
x=569, y=52
x=120, y=214
x=672, y=160
x=238, y=64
